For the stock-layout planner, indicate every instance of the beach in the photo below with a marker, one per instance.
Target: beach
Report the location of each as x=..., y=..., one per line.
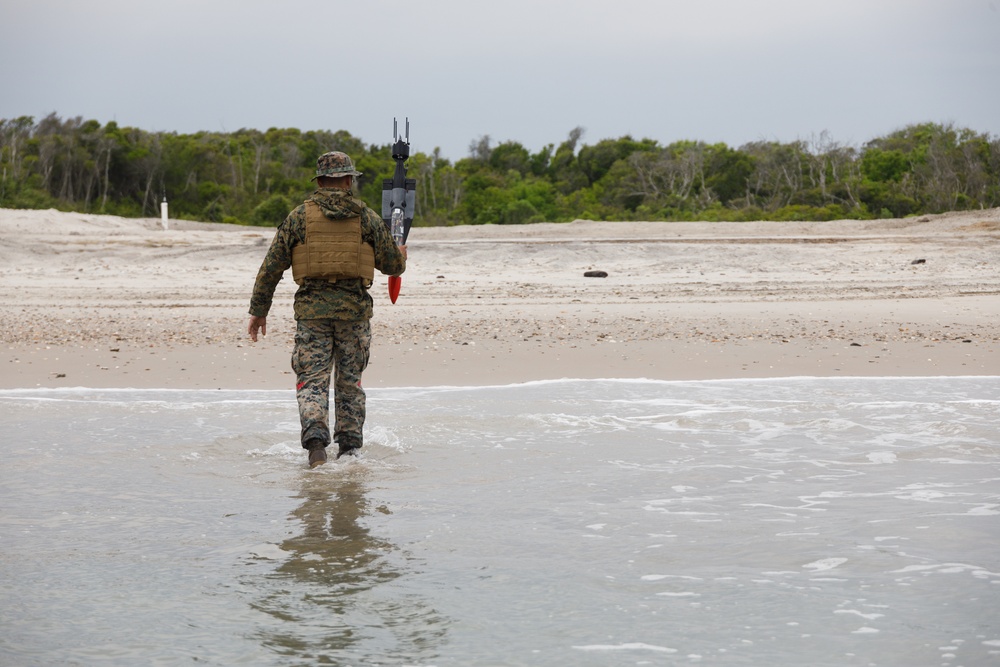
x=763, y=443
x=102, y=301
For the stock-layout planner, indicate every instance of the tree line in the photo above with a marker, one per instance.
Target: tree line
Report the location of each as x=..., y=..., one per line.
x=255, y=177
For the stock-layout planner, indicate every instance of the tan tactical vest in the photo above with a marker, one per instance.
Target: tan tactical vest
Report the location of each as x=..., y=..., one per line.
x=333, y=249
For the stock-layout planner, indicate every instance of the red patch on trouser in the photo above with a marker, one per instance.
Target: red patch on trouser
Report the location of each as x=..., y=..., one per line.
x=299, y=386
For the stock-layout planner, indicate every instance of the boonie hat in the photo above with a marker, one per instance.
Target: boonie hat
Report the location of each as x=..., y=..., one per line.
x=335, y=164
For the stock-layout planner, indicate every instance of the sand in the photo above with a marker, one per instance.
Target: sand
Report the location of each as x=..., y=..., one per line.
x=101, y=301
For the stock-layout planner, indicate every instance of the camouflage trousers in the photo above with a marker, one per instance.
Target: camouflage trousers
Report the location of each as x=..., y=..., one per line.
x=336, y=349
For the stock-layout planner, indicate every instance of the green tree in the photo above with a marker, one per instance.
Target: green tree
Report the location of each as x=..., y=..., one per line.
x=727, y=173
x=272, y=211
x=509, y=156
x=596, y=161
x=254, y=176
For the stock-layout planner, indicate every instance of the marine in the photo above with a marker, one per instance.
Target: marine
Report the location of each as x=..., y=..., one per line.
x=333, y=243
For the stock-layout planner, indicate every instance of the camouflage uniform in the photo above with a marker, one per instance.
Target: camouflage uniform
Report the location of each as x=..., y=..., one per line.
x=333, y=333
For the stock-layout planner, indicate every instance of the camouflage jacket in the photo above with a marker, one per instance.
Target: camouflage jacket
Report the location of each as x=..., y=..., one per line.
x=317, y=298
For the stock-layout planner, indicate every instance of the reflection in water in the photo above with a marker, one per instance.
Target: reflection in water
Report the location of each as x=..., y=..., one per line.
x=340, y=595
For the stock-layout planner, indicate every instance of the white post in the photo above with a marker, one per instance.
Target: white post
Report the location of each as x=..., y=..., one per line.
x=163, y=211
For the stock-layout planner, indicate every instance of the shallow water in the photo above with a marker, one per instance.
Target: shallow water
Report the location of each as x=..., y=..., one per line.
x=779, y=522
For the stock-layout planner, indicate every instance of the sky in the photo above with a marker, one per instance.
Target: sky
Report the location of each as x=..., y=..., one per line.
x=732, y=71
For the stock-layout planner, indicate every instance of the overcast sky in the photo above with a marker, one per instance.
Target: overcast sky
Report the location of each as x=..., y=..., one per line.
x=525, y=70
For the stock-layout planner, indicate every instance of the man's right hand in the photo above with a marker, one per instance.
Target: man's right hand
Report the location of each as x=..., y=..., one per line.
x=255, y=324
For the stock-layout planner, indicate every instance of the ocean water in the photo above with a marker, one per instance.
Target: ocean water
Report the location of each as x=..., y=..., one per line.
x=755, y=522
